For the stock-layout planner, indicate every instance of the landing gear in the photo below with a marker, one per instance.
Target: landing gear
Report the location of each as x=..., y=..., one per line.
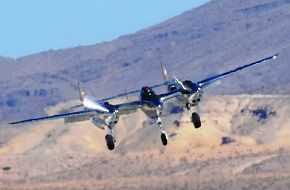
x=195, y=119
x=110, y=142
x=164, y=138
x=110, y=139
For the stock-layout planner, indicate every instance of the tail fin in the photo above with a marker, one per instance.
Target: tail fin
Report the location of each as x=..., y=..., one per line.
x=164, y=73
x=170, y=85
x=81, y=92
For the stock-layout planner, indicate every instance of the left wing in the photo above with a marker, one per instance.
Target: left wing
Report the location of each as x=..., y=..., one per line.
x=80, y=114
x=210, y=81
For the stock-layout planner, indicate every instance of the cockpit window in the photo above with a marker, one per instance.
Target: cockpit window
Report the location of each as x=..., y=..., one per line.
x=148, y=94
x=193, y=87
x=187, y=83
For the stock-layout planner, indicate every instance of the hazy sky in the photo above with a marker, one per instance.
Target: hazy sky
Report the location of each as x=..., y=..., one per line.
x=30, y=26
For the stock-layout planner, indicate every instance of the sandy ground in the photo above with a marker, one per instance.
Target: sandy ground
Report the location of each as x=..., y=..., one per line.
x=53, y=155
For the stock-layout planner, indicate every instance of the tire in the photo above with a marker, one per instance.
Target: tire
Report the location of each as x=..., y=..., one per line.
x=110, y=142
x=195, y=120
x=163, y=139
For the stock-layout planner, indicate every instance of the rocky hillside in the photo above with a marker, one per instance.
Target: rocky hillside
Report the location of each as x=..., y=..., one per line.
x=207, y=40
x=243, y=144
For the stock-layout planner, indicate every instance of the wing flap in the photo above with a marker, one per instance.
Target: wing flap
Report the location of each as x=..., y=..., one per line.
x=77, y=118
x=128, y=108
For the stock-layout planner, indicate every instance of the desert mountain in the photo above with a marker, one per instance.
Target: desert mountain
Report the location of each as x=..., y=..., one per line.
x=254, y=155
x=207, y=40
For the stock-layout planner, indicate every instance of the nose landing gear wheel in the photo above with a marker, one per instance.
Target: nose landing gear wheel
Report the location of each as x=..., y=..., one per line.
x=164, y=138
x=195, y=120
x=110, y=142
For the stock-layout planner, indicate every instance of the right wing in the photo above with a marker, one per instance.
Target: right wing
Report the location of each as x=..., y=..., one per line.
x=210, y=81
x=71, y=115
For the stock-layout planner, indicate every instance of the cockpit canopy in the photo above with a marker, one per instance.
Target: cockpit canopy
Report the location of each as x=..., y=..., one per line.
x=190, y=86
x=148, y=94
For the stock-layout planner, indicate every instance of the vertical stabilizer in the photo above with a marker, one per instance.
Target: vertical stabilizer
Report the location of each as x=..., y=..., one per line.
x=81, y=92
x=164, y=73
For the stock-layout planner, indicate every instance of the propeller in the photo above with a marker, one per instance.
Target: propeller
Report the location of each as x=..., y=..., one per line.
x=92, y=103
x=179, y=82
x=164, y=73
x=188, y=86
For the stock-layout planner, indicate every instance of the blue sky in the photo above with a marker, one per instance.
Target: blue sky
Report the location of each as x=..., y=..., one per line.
x=30, y=26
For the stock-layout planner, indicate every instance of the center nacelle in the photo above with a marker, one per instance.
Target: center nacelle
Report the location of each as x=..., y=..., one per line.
x=194, y=98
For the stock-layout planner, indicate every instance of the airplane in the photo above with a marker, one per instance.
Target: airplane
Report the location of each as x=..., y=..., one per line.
x=191, y=92
x=103, y=114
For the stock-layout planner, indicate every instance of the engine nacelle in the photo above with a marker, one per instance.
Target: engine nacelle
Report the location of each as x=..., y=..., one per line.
x=97, y=123
x=112, y=119
x=195, y=98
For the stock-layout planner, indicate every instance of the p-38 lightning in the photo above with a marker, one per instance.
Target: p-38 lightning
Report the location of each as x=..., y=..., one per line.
x=103, y=114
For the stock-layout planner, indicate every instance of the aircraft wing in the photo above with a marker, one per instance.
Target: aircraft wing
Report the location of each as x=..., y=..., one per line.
x=130, y=92
x=169, y=95
x=119, y=95
x=210, y=81
x=127, y=108
x=80, y=114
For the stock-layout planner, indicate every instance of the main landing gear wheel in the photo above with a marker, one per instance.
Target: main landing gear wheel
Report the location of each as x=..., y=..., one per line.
x=110, y=142
x=195, y=120
x=164, y=138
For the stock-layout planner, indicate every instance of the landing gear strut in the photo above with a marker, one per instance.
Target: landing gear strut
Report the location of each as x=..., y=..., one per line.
x=188, y=107
x=164, y=138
